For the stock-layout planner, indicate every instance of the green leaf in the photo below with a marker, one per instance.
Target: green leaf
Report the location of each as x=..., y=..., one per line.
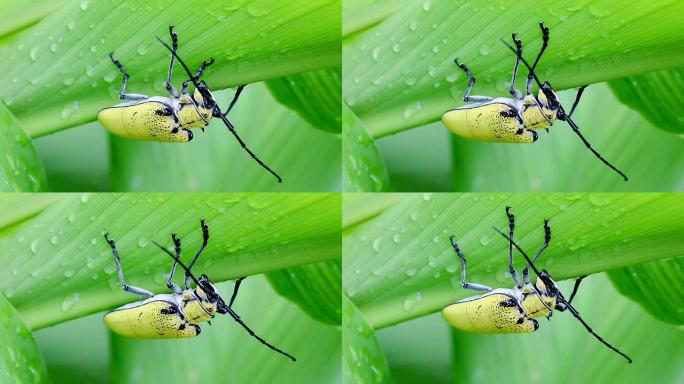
x=656, y=96
x=560, y=162
x=60, y=76
x=20, y=168
x=20, y=360
x=315, y=95
x=57, y=266
x=315, y=288
x=362, y=358
x=656, y=286
x=359, y=15
x=562, y=351
x=225, y=352
x=307, y=159
x=400, y=265
x=401, y=73
x=16, y=15
x=362, y=168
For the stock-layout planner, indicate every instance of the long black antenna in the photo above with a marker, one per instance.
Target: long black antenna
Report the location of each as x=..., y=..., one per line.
x=572, y=309
x=264, y=342
x=564, y=116
x=218, y=113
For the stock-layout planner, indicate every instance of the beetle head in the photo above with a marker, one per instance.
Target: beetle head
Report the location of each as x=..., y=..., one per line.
x=203, y=96
x=548, y=98
x=207, y=289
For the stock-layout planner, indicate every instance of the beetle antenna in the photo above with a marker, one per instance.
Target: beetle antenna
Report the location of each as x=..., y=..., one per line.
x=232, y=130
x=575, y=129
x=264, y=342
x=192, y=77
x=572, y=309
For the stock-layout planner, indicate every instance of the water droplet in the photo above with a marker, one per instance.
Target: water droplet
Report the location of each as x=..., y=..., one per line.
x=54, y=240
x=33, y=54
x=484, y=49
x=413, y=25
x=71, y=25
x=85, y=197
x=376, y=244
x=485, y=239
x=142, y=49
x=396, y=238
x=90, y=71
x=69, y=109
x=412, y=300
x=69, y=303
x=395, y=48
x=410, y=81
x=142, y=242
x=93, y=49
x=411, y=272
x=69, y=273
x=84, y=5
x=34, y=246
x=426, y=5
x=68, y=81
x=376, y=53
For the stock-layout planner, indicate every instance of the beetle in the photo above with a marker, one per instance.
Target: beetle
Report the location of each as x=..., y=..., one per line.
x=178, y=314
x=514, y=310
x=170, y=119
x=516, y=119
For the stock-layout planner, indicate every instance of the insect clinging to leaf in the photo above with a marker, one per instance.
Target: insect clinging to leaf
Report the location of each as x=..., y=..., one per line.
x=503, y=310
x=177, y=314
x=170, y=119
x=515, y=119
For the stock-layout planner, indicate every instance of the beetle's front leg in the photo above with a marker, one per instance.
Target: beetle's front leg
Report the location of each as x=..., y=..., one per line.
x=174, y=44
x=235, y=291
x=511, y=230
x=127, y=288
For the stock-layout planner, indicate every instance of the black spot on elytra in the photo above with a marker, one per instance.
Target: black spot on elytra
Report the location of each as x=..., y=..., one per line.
x=508, y=113
x=166, y=111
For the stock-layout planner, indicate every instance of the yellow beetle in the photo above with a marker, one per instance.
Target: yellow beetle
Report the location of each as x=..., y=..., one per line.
x=178, y=314
x=169, y=119
x=516, y=119
x=513, y=310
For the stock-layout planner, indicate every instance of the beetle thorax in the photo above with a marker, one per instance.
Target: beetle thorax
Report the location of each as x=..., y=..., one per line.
x=196, y=307
x=536, y=116
x=534, y=299
x=193, y=116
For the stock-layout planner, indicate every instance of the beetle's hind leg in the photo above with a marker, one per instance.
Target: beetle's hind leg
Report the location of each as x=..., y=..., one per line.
x=547, y=239
x=464, y=283
x=127, y=288
x=511, y=230
x=471, y=83
x=122, y=92
x=174, y=44
x=518, y=48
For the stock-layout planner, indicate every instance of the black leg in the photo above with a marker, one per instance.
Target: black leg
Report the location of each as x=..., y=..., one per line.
x=518, y=47
x=235, y=98
x=127, y=288
x=545, y=43
x=202, y=67
x=578, y=281
x=547, y=239
x=511, y=229
x=580, y=91
x=464, y=283
x=177, y=247
x=174, y=45
x=205, y=240
x=235, y=291
x=122, y=92
x=471, y=83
